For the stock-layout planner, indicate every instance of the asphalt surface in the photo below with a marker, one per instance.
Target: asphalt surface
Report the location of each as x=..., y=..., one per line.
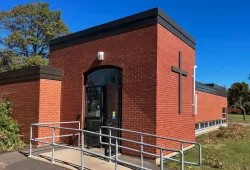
x=18, y=161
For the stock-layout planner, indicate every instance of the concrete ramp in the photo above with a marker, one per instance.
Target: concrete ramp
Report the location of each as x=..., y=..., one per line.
x=71, y=159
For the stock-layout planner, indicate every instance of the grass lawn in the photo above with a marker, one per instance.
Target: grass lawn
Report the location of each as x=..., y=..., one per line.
x=238, y=118
x=221, y=150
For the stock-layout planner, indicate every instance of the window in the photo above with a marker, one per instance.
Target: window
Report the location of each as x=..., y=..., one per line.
x=196, y=126
x=206, y=124
x=210, y=123
x=224, y=110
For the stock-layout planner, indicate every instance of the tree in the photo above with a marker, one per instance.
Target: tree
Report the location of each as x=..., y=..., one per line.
x=29, y=28
x=239, y=96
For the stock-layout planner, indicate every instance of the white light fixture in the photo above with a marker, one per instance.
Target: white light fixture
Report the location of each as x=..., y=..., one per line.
x=100, y=55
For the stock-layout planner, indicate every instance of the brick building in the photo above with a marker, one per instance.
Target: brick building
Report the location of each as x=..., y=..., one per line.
x=143, y=80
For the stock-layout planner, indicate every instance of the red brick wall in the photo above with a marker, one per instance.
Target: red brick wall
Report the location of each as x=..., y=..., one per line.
x=49, y=104
x=209, y=106
x=33, y=102
x=135, y=53
x=168, y=121
x=25, y=99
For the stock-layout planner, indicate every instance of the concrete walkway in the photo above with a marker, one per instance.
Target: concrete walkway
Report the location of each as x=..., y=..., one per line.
x=71, y=159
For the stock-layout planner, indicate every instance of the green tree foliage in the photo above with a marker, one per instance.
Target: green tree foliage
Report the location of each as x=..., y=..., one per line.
x=239, y=97
x=10, y=62
x=27, y=29
x=9, y=129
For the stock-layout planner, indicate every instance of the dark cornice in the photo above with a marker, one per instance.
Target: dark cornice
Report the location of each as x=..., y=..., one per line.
x=209, y=89
x=30, y=74
x=136, y=21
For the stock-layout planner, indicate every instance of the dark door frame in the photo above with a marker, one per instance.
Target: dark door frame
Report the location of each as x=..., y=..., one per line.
x=104, y=87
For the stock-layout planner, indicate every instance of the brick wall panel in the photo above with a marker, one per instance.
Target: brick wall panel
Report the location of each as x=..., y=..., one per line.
x=168, y=121
x=135, y=53
x=209, y=106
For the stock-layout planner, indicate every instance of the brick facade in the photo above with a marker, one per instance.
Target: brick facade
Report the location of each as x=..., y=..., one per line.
x=25, y=100
x=209, y=106
x=169, y=122
x=33, y=99
x=132, y=51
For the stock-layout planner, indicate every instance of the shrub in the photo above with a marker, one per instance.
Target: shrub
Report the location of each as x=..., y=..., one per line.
x=235, y=111
x=9, y=129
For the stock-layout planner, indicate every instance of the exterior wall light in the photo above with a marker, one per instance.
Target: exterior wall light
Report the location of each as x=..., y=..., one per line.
x=100, y=55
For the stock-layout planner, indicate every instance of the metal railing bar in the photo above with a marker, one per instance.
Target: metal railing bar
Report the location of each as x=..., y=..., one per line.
x=51, y=123
x=124, y=147
x=74, y=148
x=148, y=134
x=186, y=162
x=59, y=136
x=113, y=137
x=143, y=152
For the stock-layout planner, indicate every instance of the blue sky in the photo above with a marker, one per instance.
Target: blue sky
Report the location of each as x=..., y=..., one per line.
x=221, y=28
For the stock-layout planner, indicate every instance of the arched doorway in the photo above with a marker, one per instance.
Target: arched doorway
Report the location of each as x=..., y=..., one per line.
x=102, y=101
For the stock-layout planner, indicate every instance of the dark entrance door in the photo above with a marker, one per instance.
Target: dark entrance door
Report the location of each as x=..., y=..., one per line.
x=113, y=113
x=95, y=110
x=102, y=103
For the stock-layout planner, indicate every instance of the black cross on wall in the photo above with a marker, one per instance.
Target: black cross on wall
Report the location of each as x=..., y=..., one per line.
x=181, y=73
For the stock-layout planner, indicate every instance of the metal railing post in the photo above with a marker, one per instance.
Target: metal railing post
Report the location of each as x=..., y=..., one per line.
x=53, y=145
x=79, y=134
x=182, y=157
x=110, y=155
x=30, y=140
x=82, y=152
x=161, y=159
x=141, y=151
x=100, y=137
x=200, y=154
x=116, y=154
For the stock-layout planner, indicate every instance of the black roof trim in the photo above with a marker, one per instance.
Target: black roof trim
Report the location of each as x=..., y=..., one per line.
x=212, y=90
x=129, y=23
x=30, y=74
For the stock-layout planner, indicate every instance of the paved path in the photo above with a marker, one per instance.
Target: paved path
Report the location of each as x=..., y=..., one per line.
x=18, y=161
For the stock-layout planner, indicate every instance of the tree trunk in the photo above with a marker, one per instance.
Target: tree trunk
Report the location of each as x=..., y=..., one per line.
x=244, y=114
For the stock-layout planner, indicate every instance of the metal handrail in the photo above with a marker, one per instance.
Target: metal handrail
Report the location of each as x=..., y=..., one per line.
x=142, y=134
x=82, y=149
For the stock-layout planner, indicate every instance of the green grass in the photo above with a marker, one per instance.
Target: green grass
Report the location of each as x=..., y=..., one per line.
x=238, y=118
x=228, y=154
